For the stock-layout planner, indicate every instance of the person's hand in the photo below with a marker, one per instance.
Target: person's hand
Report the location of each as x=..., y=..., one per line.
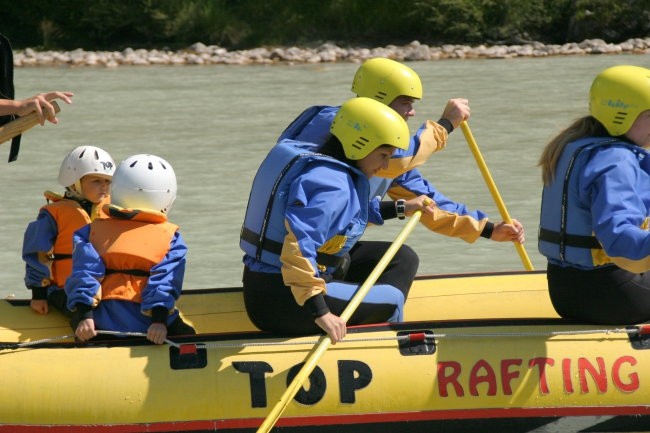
x=157, y=333
x=423, y=203
x=85, y=330
x=333, y=325
x=42, y=105
x=503, y=232
x=39, y=305
x=456, y=111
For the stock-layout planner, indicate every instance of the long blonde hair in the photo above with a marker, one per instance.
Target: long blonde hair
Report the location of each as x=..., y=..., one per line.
x=583, y=127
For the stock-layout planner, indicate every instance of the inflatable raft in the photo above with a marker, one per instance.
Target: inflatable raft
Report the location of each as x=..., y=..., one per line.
x=477, y=353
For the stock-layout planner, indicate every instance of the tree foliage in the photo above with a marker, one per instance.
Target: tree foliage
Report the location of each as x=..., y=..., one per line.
x=234, y=24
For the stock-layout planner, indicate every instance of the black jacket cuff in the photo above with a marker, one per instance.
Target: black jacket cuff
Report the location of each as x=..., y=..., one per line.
x=39, y=293
x=387, y=210
x=159, y=315
x=487, y=230
x=317, y=306
x=83, y=311
x=446, y=123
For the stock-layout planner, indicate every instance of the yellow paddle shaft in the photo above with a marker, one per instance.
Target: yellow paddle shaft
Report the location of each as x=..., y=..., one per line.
x=319, y=349
x=493, y=189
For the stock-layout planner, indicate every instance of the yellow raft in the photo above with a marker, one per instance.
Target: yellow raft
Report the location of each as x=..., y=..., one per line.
x=477, y=353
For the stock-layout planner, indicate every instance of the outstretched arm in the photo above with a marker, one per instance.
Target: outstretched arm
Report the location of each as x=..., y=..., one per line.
x=40, y=104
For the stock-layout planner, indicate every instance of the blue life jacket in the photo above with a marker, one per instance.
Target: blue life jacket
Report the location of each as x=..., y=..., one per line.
x=263, y=232
x=566, y=231
x=312, y=125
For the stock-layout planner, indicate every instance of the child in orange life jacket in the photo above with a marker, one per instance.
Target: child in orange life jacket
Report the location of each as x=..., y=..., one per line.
x=128, y=269
x=86, y=174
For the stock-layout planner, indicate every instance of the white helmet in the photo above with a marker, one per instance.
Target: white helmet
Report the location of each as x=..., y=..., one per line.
x=85, y=160
x=144, y=182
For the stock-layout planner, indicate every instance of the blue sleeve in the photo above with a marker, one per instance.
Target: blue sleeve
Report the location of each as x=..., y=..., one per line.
x=317, y=210
x=416, y=185
x=39, y=237
x=618, y=190
x=166, y=280
x=88, y=269
x=374, y=214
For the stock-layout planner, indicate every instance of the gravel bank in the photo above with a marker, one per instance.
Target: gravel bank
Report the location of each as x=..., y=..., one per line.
x=201, y=54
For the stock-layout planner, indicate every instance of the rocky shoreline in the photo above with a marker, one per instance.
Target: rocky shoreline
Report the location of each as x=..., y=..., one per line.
x=201, y=54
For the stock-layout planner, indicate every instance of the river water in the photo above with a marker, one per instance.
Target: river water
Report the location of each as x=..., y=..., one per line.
x=215, y=124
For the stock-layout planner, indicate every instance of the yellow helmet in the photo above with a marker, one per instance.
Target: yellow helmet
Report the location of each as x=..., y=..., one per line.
x=618, y=95
x=384, y=80
x=363, y=124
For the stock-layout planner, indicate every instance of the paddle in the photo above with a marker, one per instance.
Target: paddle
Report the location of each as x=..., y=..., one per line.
x=22, y=124
x=324, y=342
x=493, y=189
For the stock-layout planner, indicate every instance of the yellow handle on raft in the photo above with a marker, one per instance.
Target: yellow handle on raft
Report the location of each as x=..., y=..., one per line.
x=324, y=342
x=493, y=190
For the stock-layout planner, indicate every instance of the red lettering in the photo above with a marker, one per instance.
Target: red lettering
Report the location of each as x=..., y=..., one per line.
x=541, y=364
x=489, y=377
x=630, y=386
x=483, y=375
x=507, y=376
x=566, y=376
x=451, y=379
x=599, y=377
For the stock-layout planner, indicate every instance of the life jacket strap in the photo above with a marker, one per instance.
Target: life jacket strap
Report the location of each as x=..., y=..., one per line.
x=274, y=247
x=134, y=272
x=577, y=241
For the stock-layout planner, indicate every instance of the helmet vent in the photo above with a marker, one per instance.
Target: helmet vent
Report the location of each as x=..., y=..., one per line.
x=620, y=117
x=150, y=166
x=380, y=96
x=133, y=164
x=358, y=144
x=81, y=155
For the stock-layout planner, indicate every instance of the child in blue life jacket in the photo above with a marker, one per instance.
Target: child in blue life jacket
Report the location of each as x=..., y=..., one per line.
x=128, y=269
x=86, y=174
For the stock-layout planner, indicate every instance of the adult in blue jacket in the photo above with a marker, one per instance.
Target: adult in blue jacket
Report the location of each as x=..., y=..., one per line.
x=398, y=86
x=596, y=204
x=306, y=212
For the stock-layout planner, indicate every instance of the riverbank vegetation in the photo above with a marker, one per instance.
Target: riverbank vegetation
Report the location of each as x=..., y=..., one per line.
x=241, y=24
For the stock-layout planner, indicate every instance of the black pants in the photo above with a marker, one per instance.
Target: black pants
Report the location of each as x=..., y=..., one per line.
x=608, y=296
x=271, y=306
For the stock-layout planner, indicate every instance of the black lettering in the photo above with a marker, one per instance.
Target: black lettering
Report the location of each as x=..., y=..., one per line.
x=317, y=385
x=353, y=375
x=256, y=371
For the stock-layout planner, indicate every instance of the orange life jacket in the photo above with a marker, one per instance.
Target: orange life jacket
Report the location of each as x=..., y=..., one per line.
x=69, y=217
x=129, y=249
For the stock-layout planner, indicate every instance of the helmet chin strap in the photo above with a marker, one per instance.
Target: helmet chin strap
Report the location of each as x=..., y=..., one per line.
x=75, y=189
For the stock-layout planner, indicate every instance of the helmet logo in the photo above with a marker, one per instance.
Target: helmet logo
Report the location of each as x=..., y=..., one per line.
x=355, y=125
x=617, y=104
x=106, y=165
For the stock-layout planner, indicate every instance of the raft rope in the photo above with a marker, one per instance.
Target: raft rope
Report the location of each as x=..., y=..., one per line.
x=421, y=336
x=27, y=344
x=412, y=337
